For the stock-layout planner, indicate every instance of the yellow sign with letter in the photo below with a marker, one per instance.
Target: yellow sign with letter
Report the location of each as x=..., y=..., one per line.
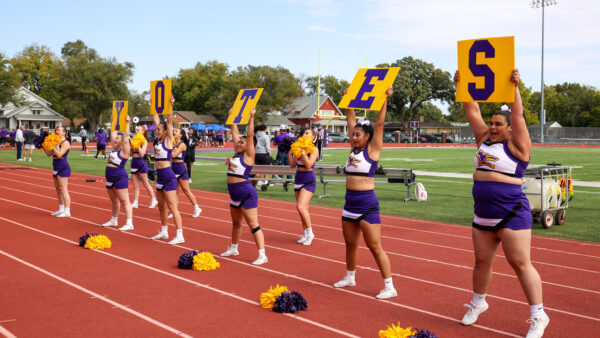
x=160, y=96
x=367, y=90
x=246, y=101
x=485, y=67
x=119, y=116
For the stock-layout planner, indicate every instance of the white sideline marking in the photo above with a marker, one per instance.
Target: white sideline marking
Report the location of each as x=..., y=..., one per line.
x=6, y=333
x=102, y=298
x=225, y=293
x=316, y=282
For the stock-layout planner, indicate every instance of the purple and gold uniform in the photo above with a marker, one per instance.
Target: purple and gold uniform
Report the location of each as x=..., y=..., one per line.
x=498, y=204
x=179, y=168
x=242, y=194
x=304, y=179
x=361, y=204
x=116, y=177
x=165, y=178
x=60, y=166
x=138, y=165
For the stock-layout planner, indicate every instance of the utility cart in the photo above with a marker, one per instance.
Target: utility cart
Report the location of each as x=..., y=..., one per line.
x=549, y=189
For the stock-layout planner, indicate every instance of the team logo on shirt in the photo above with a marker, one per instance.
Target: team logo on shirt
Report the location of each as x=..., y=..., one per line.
x=231, y=167
x=352, y=162
x=485, y=159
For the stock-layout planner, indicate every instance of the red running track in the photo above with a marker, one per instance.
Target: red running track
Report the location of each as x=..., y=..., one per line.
x=136, y=287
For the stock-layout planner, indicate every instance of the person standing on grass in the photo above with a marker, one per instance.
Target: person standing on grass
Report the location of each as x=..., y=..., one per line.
x=19, y=139
x=502, y=213
x=117, y=180
x=243, y=198
x=83, y=134
x=263, y=151
x=361, y=211
x=180, y=170
x=3, y=138
x=100, y=143
x=166, y=182
x=29, y=137
x=283, y=141
x=61, y=172
x=190, y=152
x=139, y=171
x=305, y=184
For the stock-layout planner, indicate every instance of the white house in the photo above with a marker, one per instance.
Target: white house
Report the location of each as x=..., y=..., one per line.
x=34, y=111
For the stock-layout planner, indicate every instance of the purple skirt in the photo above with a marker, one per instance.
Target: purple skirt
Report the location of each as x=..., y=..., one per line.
x=305, y=180
x=361, y=205
x=61, y=168
x=116, y=178
x=165, y=179
x=180, y=171
x=138, y=165
x=242, y=195
x=500, y=205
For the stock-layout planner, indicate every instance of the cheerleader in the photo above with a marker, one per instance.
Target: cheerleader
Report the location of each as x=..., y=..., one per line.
x=117, y=180
x=181, y=171
x=61, y=172
x=243, y=202
x=139, y=170
x=305, y=184
x=166, y=182
x=361, y=211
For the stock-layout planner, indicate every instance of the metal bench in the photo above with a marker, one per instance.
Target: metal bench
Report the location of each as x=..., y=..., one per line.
x=324, y=174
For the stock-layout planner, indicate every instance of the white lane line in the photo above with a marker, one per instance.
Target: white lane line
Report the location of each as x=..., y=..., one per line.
x=6, y=333
x=320, y=258
x=97, y=296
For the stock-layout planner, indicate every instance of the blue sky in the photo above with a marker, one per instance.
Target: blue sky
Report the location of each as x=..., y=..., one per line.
x=161, y=37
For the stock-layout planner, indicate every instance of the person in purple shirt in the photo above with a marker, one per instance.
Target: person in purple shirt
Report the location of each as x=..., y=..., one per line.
x=283, y=142
x=100, y=143
x=3, y=139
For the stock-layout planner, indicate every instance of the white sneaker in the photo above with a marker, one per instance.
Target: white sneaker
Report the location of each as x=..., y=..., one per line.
x=110, y=223
x=230, y=252
x=134, y=205
x=197, y=212
x=126, y=227
x=301, y=240
x=177, y=240
x=345, y=282
x=190, y=180
x=161, y=235
x=260, y=260
x=170, y=216
x=153, y=204
x=30, y=160
x=387, y=293
x=473, y=313
x=56, y=213
x=64, y=214
x=308, y=240
x=537, y=327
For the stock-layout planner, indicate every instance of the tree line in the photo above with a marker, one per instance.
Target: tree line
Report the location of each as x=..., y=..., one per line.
x=81, y=83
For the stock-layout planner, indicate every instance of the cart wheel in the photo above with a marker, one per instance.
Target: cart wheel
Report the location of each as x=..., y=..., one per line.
x=560, y=217
x=547, y=219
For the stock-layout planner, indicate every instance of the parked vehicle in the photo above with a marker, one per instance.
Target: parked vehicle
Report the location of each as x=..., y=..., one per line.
x=449, y=138
x=404, y=138
x=430, y=138
x=389, y=138
x=338, y=137
x=75, y=138
x=420, y=138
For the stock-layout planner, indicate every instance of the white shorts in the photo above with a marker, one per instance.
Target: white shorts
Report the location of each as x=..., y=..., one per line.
x=29, y=146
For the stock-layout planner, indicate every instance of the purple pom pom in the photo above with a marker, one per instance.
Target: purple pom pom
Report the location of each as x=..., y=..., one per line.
x=286, y=143
x=424, y=334
x=84, y=238
x=290, y=302
x=186, y=260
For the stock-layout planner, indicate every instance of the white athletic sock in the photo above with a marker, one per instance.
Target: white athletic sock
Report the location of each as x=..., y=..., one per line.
x=196, y=207
x=309, y=232
x=61, y=207
x=114, y=219
x=233, y=246
x=129, y=221
x=389, y=284
x=179, y=232
x=135, y=201
x=261, y=253
x=67, y=210
x=537, y=311
x=350, y=274
x=165, y=228
x=478, y=299
x=305, y=232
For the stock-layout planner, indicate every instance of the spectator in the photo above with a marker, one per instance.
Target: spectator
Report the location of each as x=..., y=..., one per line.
x=12, y=135
x=3, y=138
x=19, y=140
x=319, y=134
x=29, y=137
x=263, y=150
x=83, y=134
x=221, y=137
x=283, y=142
x=100, y=143
x=190, y=152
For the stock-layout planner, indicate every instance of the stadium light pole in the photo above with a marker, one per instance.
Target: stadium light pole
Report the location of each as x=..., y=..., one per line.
x=543, y=4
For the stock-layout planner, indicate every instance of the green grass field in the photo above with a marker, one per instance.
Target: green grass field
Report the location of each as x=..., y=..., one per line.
x=449, y=200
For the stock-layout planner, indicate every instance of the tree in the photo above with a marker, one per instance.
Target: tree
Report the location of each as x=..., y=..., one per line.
x=139, y=103
x=570, y=104
x=8, y=82
x=193, y=88
x=330, y=86
x=89, y=83
x=432, y=112
x=417, y=82
x=35, y=66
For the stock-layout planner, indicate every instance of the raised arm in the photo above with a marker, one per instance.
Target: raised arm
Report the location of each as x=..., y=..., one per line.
x=235, y=132
x=478, y=126
x=350, y=120
x=377, y=141
x=520, y=135
x=126, y=146
x=169, y=138
x=250, y=136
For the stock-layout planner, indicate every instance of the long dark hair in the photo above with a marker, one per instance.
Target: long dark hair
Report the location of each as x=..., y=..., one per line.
x=367, y=129
x=184, y=137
